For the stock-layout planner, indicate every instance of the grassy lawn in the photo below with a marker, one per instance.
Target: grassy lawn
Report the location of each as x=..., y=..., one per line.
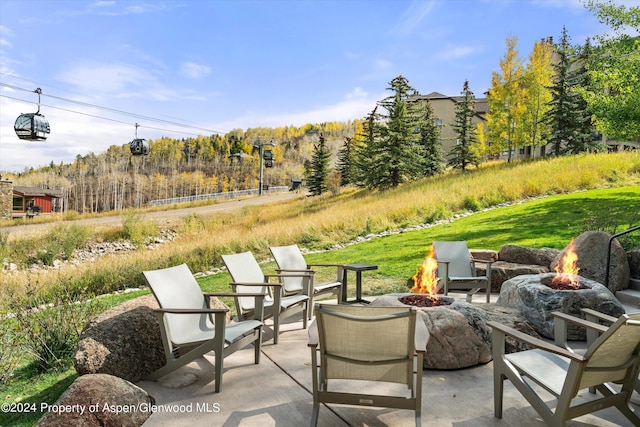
x=546, y=222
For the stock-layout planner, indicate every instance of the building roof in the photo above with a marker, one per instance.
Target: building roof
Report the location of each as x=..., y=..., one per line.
x=35, y=192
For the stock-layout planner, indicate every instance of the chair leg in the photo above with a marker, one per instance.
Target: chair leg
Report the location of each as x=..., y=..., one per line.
x=276, y=327
x=219, y=358
x=310, y=306
x=315, y=413
x=498, y=390
x=257, y=346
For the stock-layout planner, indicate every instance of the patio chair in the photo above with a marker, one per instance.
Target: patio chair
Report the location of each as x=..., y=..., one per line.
x=191, y=329
x=382, y=344
x=457, y=270
x=560, y=325
x=614, y=357
x=248, y=277
x=290, y=260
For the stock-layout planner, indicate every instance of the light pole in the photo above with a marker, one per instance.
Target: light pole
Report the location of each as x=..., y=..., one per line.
x=260, y=146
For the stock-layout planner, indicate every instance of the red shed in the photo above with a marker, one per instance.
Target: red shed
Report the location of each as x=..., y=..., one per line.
x=29, y=201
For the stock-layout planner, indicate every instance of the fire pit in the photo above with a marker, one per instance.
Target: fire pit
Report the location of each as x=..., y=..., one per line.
x=536, y=298
x=459, y=335
x=538, y=295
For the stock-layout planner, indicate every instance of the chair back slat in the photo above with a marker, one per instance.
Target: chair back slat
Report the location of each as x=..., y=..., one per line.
x=458, y=256
x=244, y=268
x=290, y=258
x=175, y=287
x=367, y=343
x=612, y=355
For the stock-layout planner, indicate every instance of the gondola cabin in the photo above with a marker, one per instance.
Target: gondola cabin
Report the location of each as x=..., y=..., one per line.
x=32, y=127
x=139, y=147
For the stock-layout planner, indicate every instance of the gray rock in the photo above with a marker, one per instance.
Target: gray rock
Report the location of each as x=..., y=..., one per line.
x=633, y=256
x=502, y=271
x=513, y=318
x=530, y=256
x=591, y=248
x=537, y=301
x=124, y=341
x=459, y=335
x=484, y=255
x=100, y=401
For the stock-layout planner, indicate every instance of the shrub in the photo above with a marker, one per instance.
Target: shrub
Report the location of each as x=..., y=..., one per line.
x=49, y=332
x=10, y=345
x=138, y=229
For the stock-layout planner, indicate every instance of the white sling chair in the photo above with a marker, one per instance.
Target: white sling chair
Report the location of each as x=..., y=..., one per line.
x=290, y=260
x=190, y=328
x=248, y=277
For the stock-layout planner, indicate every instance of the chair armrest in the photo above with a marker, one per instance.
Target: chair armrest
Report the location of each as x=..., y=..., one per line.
x=235, y=294
x=502, y=330
x=485, y=261
x=256, y=284
x=191, y=310
x=285, y=270
x=313, y=334
x=324, y=265
x=593, y=316
x=268, y=276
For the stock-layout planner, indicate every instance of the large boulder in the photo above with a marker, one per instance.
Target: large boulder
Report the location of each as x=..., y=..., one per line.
x=459, y=335
x=514, y=319
x=124, y=341
x=502, y=271
x=529, y=256
x=537, y=301
x=591, y=248
x=99, y=400
x=633, y=257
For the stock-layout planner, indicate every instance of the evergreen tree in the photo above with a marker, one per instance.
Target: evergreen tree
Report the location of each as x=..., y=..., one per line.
x=433, y=160
x=463, y=153
x=393, y=154
x=317, y=170
x=346, y=164
x=568, y=113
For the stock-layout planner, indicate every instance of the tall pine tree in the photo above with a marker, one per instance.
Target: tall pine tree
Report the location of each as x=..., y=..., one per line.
x=463, y=153
x=433, y=160
x=317, y=170
x=567, y=115
x=346, y=163
x=392, y=154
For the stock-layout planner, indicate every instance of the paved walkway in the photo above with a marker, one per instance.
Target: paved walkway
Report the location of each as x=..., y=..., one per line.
x=277, y=392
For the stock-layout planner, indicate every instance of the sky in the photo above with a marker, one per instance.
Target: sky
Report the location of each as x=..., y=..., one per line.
x=196, y=67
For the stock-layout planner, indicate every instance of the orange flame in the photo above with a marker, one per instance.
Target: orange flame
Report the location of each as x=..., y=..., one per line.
x=567, y=268
x=425, y=280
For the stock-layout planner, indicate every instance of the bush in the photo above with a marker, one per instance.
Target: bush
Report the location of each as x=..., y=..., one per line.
x=138, y=229
x=10, y=345
x=49, y=332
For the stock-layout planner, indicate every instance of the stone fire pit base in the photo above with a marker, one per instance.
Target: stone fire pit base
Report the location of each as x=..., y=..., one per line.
x=536, y=302
x=459, y=335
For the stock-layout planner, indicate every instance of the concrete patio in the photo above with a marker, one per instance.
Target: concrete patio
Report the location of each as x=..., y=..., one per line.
x=277, y=392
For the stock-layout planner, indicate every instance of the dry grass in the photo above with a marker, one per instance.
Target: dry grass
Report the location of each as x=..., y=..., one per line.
x=322, y=221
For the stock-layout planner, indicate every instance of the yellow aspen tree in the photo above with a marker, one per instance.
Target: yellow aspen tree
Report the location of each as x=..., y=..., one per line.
x=505, y=99
x=538, y=78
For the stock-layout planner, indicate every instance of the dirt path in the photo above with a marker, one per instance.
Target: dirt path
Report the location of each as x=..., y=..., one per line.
x=163, y=218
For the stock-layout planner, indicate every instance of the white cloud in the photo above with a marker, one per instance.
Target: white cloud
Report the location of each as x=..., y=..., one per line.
x=193, y=70
x=455, y=52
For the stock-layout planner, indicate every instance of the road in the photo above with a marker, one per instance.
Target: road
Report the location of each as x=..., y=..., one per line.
x=163, y=218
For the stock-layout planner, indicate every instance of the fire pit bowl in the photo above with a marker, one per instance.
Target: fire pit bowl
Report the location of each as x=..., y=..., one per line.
x=536, y=298
x=459, y=335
